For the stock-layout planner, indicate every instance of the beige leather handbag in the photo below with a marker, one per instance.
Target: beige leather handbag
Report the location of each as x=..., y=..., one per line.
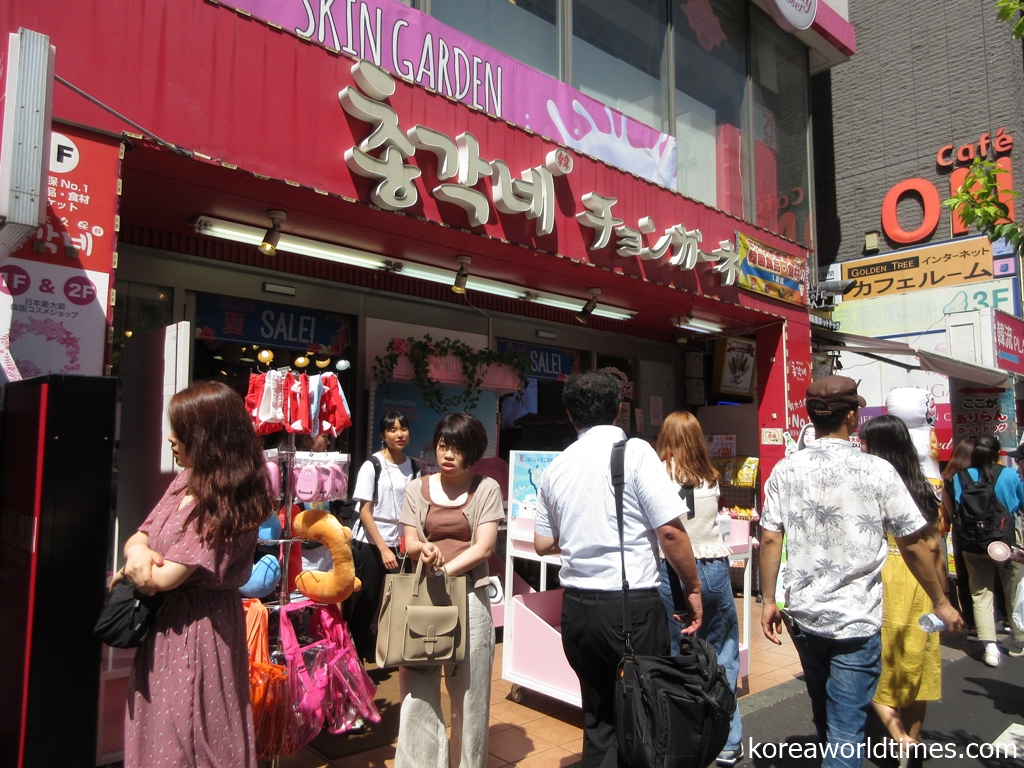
x=422, y=620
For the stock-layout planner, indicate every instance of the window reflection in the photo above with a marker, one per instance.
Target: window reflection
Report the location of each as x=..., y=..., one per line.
x=618, y=56
x=711, y=73
x=779, y=77
x=525, y=30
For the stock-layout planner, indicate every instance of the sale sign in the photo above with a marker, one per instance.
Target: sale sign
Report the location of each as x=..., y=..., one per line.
x=59, y=281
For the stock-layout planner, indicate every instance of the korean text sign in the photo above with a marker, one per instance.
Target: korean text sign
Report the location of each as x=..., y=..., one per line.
x=59, y=280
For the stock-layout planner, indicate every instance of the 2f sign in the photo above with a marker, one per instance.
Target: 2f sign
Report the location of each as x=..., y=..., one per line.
x=64, y=154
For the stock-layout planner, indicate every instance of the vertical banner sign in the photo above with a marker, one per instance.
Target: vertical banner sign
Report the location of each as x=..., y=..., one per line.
x=798, y=375
x=60, y=281
x=1009, y=338
x=771, y=272
x=977, y=409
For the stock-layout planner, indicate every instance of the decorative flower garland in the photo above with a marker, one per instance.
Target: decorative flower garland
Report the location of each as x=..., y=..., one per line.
x=474, y=367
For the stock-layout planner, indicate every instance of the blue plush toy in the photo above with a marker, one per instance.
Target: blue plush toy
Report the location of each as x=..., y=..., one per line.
x=266, y=572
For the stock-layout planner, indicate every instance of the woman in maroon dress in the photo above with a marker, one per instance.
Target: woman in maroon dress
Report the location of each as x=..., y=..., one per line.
x=188, y=696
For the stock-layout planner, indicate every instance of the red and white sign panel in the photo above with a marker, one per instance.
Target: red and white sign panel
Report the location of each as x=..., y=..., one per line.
x=59, y=281
x=1009, y=333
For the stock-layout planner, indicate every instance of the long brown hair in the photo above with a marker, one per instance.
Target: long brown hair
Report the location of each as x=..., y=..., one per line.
x=961, y=458
x=229, y=479
x=681, y=445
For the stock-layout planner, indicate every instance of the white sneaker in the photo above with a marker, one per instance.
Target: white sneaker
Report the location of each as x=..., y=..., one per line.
x=991, y=657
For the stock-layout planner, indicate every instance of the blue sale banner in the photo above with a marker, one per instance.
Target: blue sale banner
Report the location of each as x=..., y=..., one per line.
x=551, y=363
x=224, y=318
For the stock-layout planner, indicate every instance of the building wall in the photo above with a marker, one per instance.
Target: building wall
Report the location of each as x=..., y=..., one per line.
x=925, y=74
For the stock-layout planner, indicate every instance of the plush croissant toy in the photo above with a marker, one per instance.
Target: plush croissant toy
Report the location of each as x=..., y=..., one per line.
x=340, y=582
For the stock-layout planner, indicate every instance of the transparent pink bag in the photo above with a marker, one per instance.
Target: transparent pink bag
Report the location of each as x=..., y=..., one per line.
x=352, y=691
x=309, y=678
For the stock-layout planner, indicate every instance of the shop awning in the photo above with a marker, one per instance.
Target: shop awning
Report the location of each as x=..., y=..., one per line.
x=929, y=360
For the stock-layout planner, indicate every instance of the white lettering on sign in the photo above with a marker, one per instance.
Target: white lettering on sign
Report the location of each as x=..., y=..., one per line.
x=282, y=327
x=442, y=67
x=459, y=163
x=545, y=362
x=383, y=153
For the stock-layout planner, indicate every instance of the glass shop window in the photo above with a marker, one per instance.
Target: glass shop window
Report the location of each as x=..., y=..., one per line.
x=618, y=56
x=139, y=309
x=779, y=74
x=525, y=30
x=711, y=74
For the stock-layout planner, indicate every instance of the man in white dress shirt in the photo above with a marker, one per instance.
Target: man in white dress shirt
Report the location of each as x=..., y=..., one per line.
x=576, y=519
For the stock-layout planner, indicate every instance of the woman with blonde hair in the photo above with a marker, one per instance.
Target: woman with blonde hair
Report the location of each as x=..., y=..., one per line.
x=682, y=448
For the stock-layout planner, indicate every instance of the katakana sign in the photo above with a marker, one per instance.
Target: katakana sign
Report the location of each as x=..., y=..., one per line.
x=955, y=262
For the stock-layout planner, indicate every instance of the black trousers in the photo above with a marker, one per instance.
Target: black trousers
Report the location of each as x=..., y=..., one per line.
x=594, y=642
x=360, y=610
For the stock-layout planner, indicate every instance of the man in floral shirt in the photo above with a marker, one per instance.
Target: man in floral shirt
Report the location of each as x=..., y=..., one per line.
x=835, y=505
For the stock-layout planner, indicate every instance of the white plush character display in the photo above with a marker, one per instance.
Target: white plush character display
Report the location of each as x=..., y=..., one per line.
x=916, y=408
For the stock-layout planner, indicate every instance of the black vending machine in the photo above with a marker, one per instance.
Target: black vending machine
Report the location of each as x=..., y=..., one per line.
x=56, y=457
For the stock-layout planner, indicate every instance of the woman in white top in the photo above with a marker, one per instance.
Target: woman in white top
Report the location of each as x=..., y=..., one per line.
x=380, y=491
x=682, y=448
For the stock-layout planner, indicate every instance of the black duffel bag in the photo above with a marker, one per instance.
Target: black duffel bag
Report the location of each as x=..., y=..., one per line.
x=673, y=710
x=670, y=711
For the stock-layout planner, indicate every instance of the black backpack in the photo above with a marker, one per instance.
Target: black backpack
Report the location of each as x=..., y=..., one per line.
x=378, y=468
x=980, y=518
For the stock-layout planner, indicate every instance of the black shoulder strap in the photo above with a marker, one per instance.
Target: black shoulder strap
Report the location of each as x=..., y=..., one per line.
x=686, y=494
x=618, y=482
x=377, y=468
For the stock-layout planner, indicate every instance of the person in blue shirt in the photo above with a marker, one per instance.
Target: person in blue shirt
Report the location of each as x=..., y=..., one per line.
x=982, y=570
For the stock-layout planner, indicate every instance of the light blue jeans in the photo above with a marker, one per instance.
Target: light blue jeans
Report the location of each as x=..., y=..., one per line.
x=841, y=677
x=720, y=626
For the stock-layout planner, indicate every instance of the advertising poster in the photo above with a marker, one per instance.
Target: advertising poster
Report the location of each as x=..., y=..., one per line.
x=735, y=363
x=243, y=321
x=771, y=272
x=406, y=399
x=546, y=363
x=420, y=49
x=59, y=281
x=525, y=471
x=979, y=410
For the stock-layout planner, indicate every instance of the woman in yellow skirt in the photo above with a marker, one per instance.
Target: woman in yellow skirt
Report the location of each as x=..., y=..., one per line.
x=911, y=660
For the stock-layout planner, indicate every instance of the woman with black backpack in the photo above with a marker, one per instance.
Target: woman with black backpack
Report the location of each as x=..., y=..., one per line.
x=982, y=570
x=376, y=534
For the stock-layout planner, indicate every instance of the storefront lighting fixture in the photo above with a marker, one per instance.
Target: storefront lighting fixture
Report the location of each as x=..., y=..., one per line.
x=462, y=276
x=284, y=290
x=691, y=323
x=871, y=241
x=546, y=335
x=588, y=309
x=273, y=235
x=242, y=233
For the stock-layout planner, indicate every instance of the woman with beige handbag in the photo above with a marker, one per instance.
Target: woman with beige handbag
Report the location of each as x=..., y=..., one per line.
x=451, y=525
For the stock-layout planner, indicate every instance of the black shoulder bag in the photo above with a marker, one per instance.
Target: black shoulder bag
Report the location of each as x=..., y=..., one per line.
x=127, y=615
x=670, y=711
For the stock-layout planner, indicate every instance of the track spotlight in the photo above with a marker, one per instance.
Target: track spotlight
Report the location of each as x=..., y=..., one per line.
x=589, y=307
x=462, y=276
x=270, y=240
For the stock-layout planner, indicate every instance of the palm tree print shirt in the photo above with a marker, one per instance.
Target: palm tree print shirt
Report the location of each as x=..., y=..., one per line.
x=835, y=505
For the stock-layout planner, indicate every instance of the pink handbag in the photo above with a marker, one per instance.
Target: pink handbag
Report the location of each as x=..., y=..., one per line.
x=309, y=679
x=328, y=684
x=353, y=691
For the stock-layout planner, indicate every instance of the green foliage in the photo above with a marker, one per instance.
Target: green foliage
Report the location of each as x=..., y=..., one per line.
x=1006, y=10
x=474, y=367
x=977, y=201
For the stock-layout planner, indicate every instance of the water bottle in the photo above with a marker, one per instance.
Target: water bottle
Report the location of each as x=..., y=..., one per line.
x=931, y=623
